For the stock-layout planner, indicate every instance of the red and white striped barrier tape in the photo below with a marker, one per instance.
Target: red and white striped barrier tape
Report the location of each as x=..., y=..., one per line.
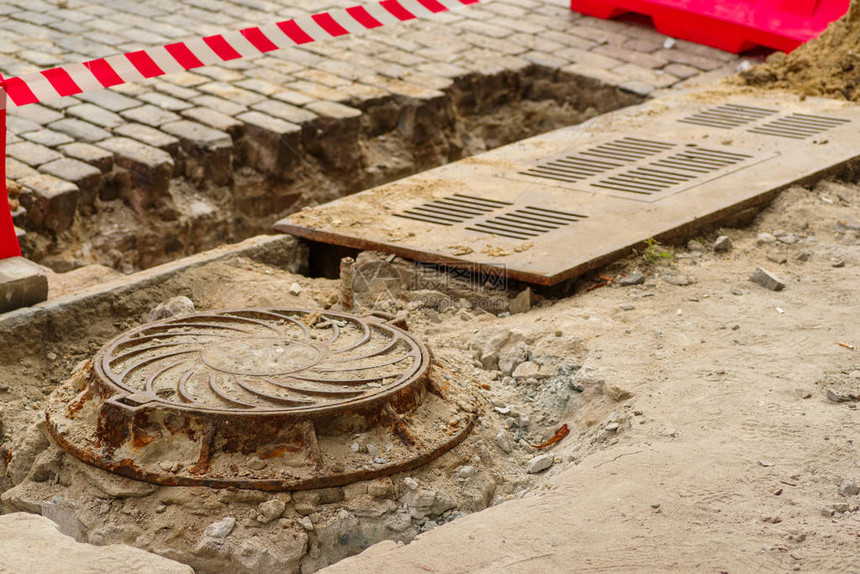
x=8, y=239
x=137, y=66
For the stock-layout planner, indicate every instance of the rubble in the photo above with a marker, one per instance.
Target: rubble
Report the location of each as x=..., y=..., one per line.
x=767, y=279
x=722, y=244
x=633, y=278
x=172, y=308
x=539, y=463
x=33, y=543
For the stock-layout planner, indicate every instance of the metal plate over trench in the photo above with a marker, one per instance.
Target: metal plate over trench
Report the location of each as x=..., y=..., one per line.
x=557, y=205
x=259, y=398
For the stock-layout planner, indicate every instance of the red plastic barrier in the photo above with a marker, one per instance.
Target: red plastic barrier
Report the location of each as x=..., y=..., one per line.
x=731, y=25
x=8, y=240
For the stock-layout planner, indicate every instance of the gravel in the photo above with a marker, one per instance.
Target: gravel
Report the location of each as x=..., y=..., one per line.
x=539, y=463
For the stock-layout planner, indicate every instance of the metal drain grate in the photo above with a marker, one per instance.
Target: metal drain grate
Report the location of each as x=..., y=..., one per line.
x=289, y=388
x=727, y=116
x=598, y=159
x=456, y=208
x=636, y=174
x=527, y=222
x=799, y=126
x=672, y=173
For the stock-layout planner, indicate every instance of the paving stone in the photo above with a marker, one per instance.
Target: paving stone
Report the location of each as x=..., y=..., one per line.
x=658, y=78
x=149, y=169
x=219, y=105
x=319, y=92
x=284, y=111
x=178, y=92
x=231, y=93
x=95, y=115
x=187, y=79
x=41, y=59
x=705, y=51
x=219, y=74
x=591, y=59
x=544, y=59
x=165, y=102
x=110, y=100
x=31, y=153
x=95, y=156
x=80, y=130
x=653, y=61
x=647, y=33
x=529, y=25
x=352, y=66
x=215, y=120
x=19, y=125
x=681, y=71
x=364, y=93
x=50, y=202
x=36, y=113
x=570, y=40
x=508, y=9
x=16, y=170
x=61, y=103
x=767, y=279
x=210, y=151
x=87, y=177
x=499, y=45
x=22, y=284
x=150, y=115
x=591, y=32
x=322, y=77
x=637, y=87
x=294, y=98
x=47, y=137
x=149, y=136
x=270, y=143
x=432, y=82
x=537, y=42
x=262, y=87
x=644, y=46
x=700, y=62
x=443, y=69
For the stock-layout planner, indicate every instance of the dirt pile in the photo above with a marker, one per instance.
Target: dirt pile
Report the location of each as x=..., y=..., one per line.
x=826, y=66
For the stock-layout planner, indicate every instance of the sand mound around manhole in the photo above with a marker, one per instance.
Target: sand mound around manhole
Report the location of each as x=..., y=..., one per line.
x=826, y=66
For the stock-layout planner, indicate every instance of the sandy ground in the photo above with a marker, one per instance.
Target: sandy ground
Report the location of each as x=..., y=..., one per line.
x=738, y=453
x=733, y=454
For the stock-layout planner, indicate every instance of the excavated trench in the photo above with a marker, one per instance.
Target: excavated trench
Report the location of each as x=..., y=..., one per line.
x=280, y=426
x=234, y=414
x=136, y=217
x=282, y=438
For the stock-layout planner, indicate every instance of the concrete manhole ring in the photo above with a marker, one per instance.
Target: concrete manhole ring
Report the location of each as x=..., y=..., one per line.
x=271, y=399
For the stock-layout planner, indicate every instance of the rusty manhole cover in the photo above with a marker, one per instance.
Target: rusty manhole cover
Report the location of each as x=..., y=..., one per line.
x=260, y=398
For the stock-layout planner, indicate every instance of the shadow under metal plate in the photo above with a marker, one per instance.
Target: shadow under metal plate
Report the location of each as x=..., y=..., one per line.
x=552, y=207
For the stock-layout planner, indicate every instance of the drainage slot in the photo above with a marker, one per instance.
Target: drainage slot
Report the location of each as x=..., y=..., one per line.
x=727, y=116
x=613, y=155
x=527, y=222
x=648, y=180
x=799, y=126
x=454, y=209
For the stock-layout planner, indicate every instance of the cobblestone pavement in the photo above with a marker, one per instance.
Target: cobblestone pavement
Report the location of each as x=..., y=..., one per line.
x=61, y=152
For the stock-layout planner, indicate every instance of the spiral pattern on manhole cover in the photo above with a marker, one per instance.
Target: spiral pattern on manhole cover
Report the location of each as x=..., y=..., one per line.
x=261, y=360
x=260, y=398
